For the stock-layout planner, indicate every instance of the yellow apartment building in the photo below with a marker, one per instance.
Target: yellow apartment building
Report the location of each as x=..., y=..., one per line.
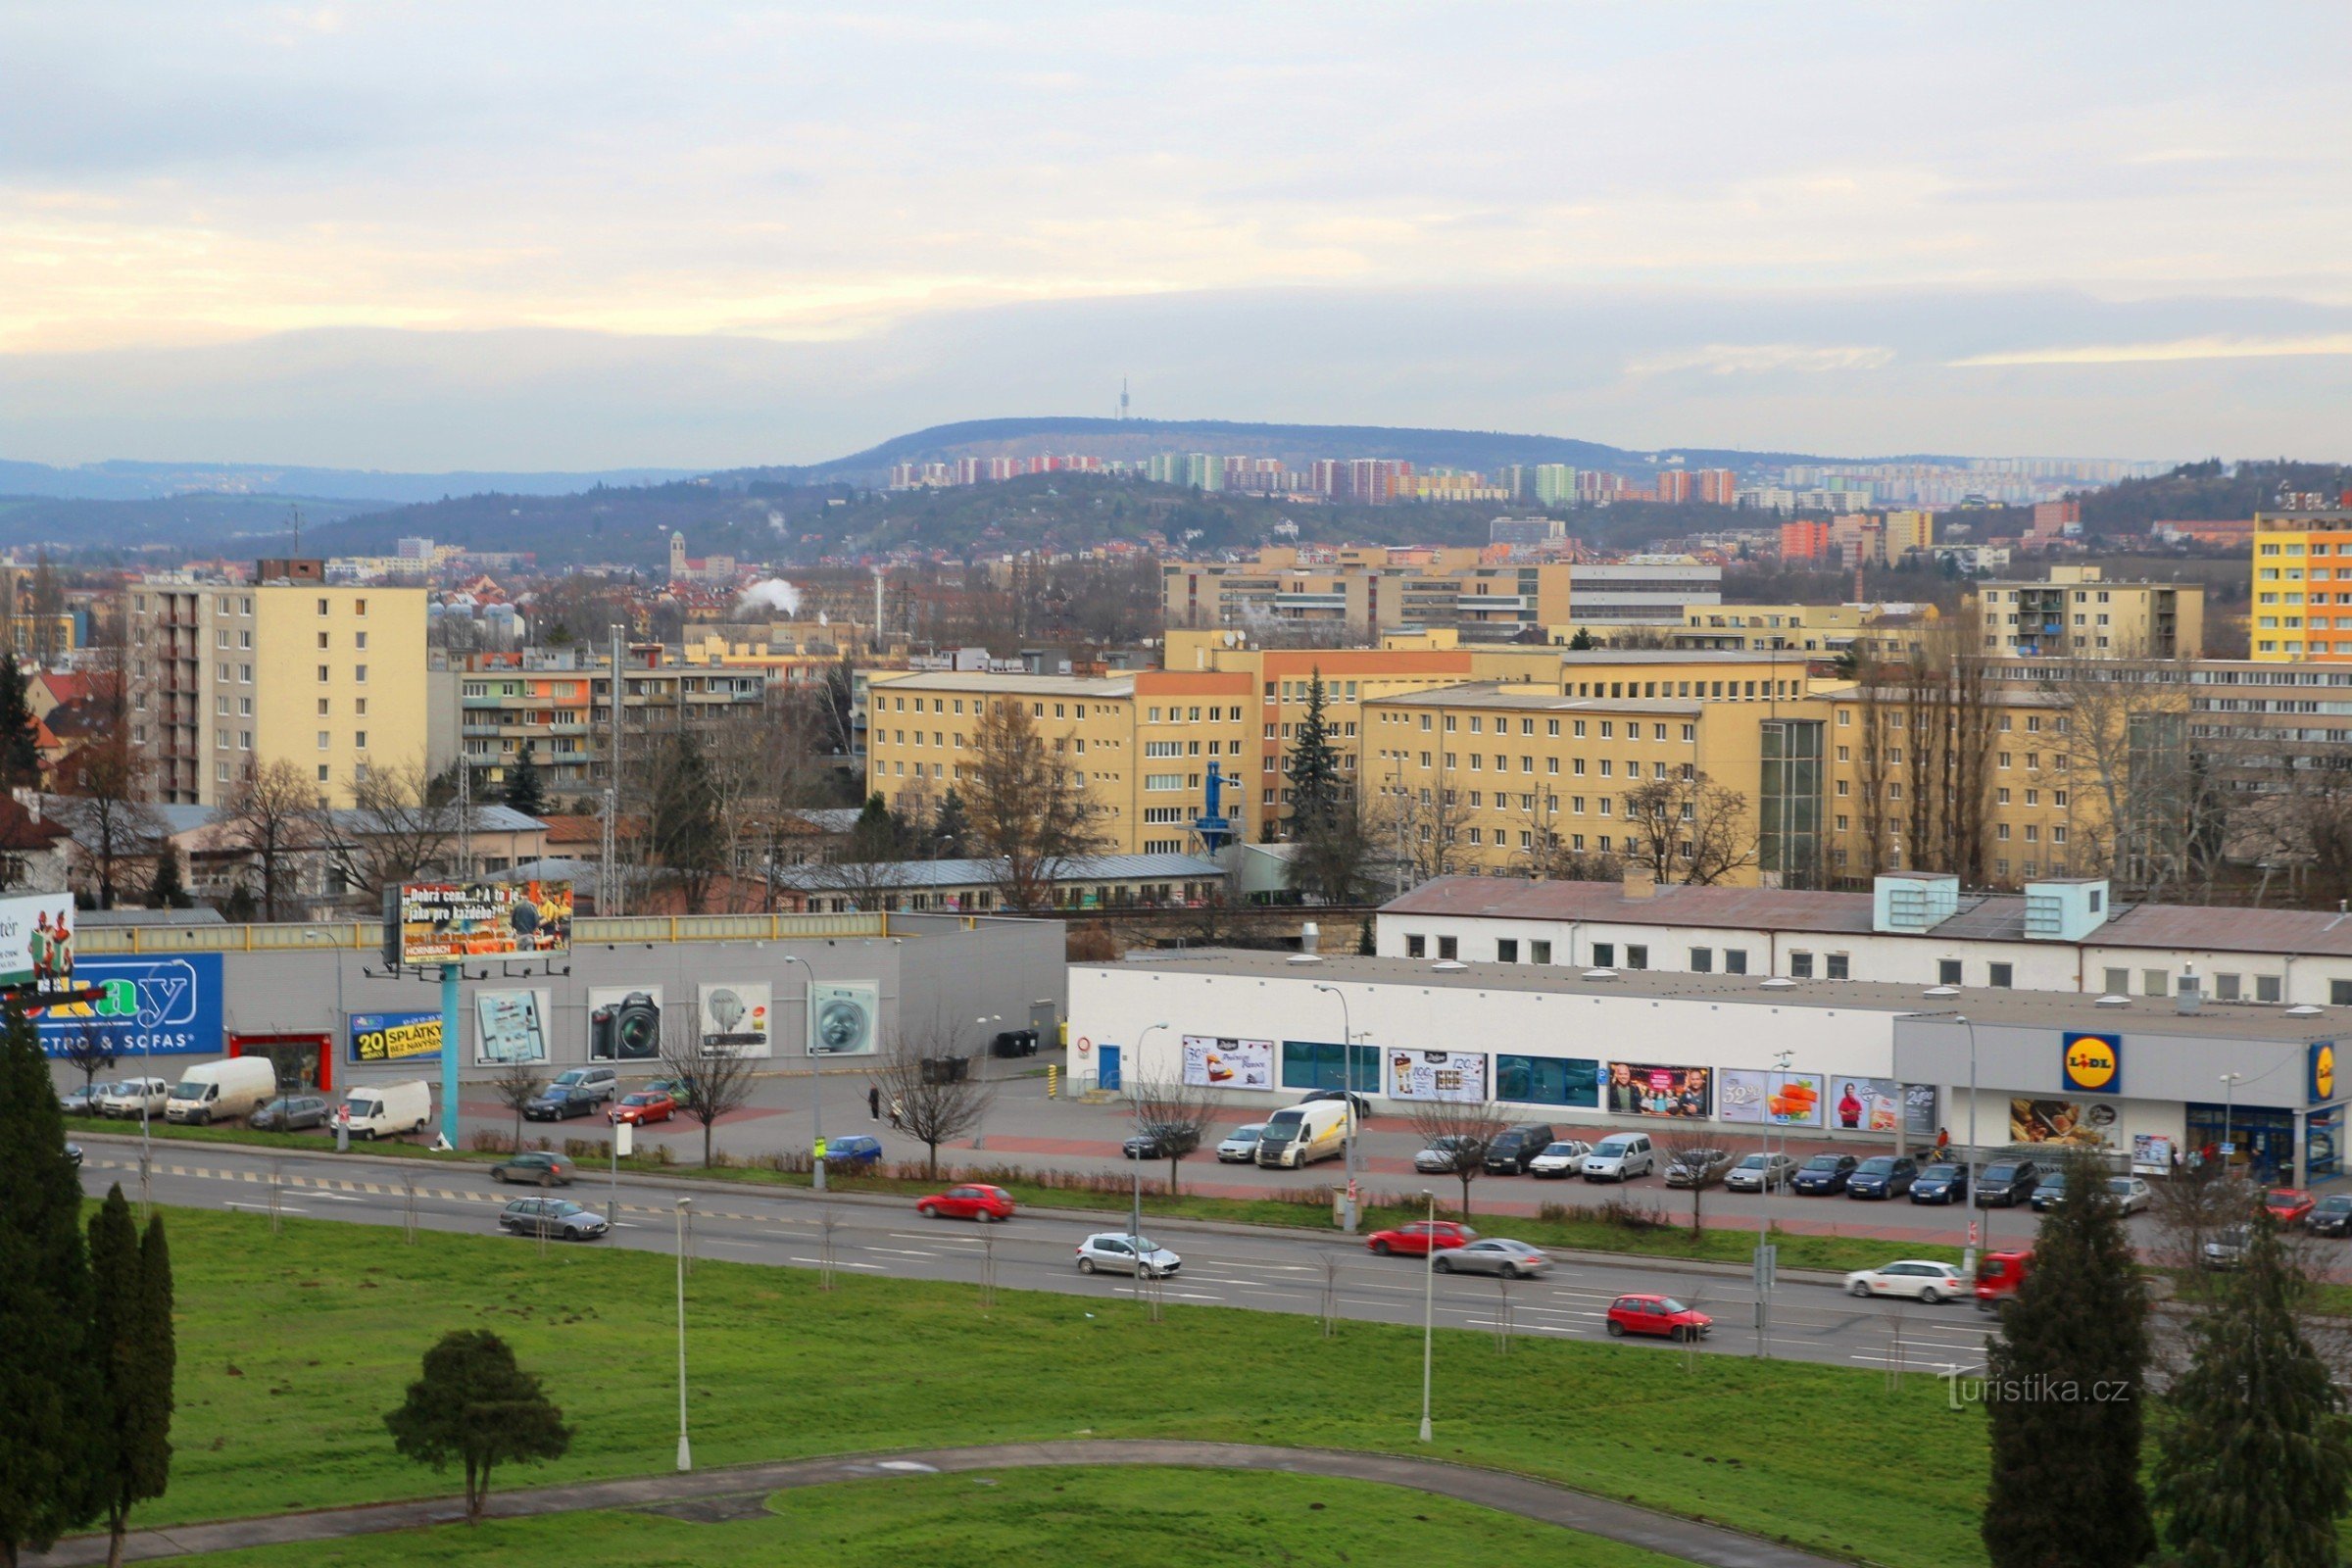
x=1364, y=590
x=2080, y=613
x=2302, y=587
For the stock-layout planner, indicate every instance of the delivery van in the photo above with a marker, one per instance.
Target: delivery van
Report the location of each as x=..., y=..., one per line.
x=379, y=1110
x=221, y=1090
x=1301, y=1135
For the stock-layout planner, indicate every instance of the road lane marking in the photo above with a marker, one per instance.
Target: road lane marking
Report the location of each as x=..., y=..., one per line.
x=264, y=1208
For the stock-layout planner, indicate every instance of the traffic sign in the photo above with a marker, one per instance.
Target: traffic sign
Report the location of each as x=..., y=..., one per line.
x=1085, y=1045
x=1971, y=1233
x=2228, y=1150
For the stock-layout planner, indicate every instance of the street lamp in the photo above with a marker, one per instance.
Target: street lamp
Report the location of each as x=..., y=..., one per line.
x=2229, y=1083
x=685, y=1454
x=1968, y=1249
x=816, y=1083
x=1348, y=1069
x=1134, y=1234
x=1429, y=1298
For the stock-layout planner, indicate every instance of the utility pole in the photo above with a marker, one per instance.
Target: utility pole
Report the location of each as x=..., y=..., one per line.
x=608, y=889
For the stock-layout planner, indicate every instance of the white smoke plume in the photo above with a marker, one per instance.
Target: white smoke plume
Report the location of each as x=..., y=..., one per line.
x=772, y=594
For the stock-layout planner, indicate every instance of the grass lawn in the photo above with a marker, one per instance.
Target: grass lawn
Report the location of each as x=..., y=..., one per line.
x=1077, y=1518
x=291, y=1348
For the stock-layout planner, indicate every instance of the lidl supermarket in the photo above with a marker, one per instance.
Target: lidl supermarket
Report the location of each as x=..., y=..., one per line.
x=1875, y=1062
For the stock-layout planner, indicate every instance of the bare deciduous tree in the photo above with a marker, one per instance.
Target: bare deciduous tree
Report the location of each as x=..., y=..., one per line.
x=106, y=786
x=1174, y=1117
x=1028, y=806
x=2189, y=1209
x=1686, y=828
x=1416, y=831
x=935, y=1105
x=1693, y=1158
x=271, y=814
x=1461, y=1131
x=89, y=1049
x=392, y=833
x=710, y=1084
x=517, y=1084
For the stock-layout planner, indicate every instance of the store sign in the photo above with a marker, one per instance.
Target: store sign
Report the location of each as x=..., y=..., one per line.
x=2320, y=1073
x=158, y=1006
x=448, y=922
x=2093, y=1064
x=1458, y=1075
x=1774, y=1099
x=1215, y=1063
x=1641, y=1089
x=388, y=1037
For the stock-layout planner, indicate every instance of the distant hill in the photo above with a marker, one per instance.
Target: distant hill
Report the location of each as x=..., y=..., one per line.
x=120, y=481
x=2207, y=492
x=187, y=523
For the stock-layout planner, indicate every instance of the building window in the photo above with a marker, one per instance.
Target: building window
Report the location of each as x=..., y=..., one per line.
x=321, y=772
x=1539, y=953
x=1840, y=968
x=321, y=675
x=1637, y=956
x=1801, y=966
x=1702, y=960
x=1449, y=948
x=2118, y=983
x=2152, y=982
x=2267, y=988
x=2339, y=993
x=1947, y=971
x=1507, y=950
x=1735, y=960
x=2002, y=976
x=2229, y=988
x=322, y=607
x=1604, y=954
x=359, y=673
x=1416, y=947
x=359, y=739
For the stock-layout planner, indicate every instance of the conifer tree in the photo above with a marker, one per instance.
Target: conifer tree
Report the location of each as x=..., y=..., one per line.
x=2254, y=1463
x=2063, y=1386
x=1581, y=642
x=950, y=828
x=132, y=1357
x=1314, y=767
x=525, y=787
x=19, y=749
x=170, y=889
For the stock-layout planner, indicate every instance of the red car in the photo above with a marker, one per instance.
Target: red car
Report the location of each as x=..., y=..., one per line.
x=2289, y=1204
x=1420, y=1238
x=647, y=1105
x=1661, y=1315
x=972, y=1202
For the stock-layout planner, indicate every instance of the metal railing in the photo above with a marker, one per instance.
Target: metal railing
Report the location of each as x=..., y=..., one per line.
x=367, y=936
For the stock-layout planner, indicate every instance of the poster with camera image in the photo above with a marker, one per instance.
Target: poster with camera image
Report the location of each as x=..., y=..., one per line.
x=736, y=1020
x=844, y=1018
x=624, y=1023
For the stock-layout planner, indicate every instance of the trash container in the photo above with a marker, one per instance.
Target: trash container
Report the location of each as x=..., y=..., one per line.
x=944, y=1069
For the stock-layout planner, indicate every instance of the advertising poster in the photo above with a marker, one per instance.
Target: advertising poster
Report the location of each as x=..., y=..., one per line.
x=1436, y=1075
x=1641, y=1089
x=844, y=1018
x=2058, y=1121
x=509, y=1026
x=1922, y=1115
x=155, y=1007
x=2151, y=1155
x=384, y=1037
x=1880, y=1106
x=624, y=1023
x=1221, y=1063
x=439, y=922
x=736, y=1020
x=1774, y=1099
x=36, y=942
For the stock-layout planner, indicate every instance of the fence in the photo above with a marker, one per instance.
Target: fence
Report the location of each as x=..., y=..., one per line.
x=367, y=936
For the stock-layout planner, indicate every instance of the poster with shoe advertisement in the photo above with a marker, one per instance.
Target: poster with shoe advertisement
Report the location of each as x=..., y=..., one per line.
x=1773, y=1099
x=509, y=1027
x=1218, y=1062
x=1434, y=1075
x=736, y=1020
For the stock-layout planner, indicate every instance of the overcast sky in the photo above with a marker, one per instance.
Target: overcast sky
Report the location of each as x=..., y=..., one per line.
x=420, y=235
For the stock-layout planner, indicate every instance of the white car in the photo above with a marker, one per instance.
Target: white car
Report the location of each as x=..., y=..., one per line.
x=1240, y=1146
x=132, y=1095
x=1119, y=1253
x=1565, y=1158
x=1921, y=1281
x=2132, y=1194
x=1759, y=1171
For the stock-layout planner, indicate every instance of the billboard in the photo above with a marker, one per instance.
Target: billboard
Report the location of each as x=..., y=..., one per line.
x=1434, y=1075
x=1776, y=1098
x=1645, y=1089
x=737, y=1019
x=624, y=1023
x=2058, y=1121
x=844, y=1018
x=445, y=922
x=1882, y=1105
x=1222, y=1063
x=378, y=1038
x=36, y=942
x=509, y=1026
x=160, y=1006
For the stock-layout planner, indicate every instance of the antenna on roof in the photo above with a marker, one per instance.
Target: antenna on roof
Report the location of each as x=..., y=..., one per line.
x=1122, y=399
x=296, y=512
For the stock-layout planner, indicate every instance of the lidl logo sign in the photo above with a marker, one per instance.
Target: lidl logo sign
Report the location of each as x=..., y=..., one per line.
x=2322, y=1072
x=2093, y=1064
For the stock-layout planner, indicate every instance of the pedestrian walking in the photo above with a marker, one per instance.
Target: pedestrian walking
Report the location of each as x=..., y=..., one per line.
x=898, y=1113
x=873, y=1101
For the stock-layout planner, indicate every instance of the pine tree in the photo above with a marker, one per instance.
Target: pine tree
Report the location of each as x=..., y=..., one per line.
x=20, y=747
x=46, y=1388
x=159, y=1346
x=1364, y=945
x=1581, y=642
x=2255, y=1463
x=876, y=837
x=1314, y=767
x=169, y=890
x=132, y=1452
x=950, y=828
x=475, y=1405
x=2064, y=1384
x=526, y=787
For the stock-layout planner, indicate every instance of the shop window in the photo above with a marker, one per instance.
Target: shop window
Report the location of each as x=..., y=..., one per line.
x=1548, y=1080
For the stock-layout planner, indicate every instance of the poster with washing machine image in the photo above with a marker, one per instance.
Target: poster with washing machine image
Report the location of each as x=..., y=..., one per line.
x=624, y=1023
x=737, y=1018
x=844, y=1018
x=509, y=1027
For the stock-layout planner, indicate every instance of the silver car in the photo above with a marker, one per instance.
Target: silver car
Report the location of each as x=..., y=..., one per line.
x=1509, y=1259
x=1240, y=1146
x=1445, y=1154
x=1119, y=1253
x=1563, y=1158
x=2132, y=1194
x=132, y=1095
x=1758, y=1172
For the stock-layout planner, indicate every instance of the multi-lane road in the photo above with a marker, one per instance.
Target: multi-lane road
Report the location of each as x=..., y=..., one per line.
x=1260, y=1269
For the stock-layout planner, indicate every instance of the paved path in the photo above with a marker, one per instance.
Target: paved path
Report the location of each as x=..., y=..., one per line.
x=1492, y=1488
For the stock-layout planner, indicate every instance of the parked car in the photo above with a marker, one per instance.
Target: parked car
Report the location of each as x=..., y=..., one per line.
x=84, y=1101
x=599, y=1082
x=1698, y=1167
x=379, y=1110
x=560, y=1101
x=1661, y=1315
x=1363, y=1106
x=1883, y=1176
x=678, y=1089
x=2007, y=1183
x=1443, y=1154
x=1511, y=1153
x=972, y=1200
x=2051, y=1189
x=1921, y=1281
x=858, y=1149
x=1760, y=1173
x=2289, y=1204
x=2132, y=1194
x=1155, y=1142
x=1122, y=1253
x=644, y=1106
x=1565, y=1158
x=1506, y=1259
x=1240, y=1146
x=558, y=1218
x=227, y=1090
x=131, y=1096
x=540, y=1167
x=291, y=1113
x=1824, y=1174
x=1420, y=1238
x=1999, y=1276
x=2227, y=1249
x=2332, y=1216
x=1941, y=1183
x=1619, y=1158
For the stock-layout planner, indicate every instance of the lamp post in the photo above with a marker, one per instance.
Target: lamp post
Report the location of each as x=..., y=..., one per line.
x=1347, y=1070
x=816, y=1083
x=685, y=1454
x=1429, y=1301
x=2229, y=1083
x=1968, y=1249
x=1134, y=1229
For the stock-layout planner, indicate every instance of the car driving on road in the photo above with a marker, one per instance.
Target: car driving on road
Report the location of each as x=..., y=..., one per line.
x=1119, y=1253
x=558, y=1218
x=1660, y=1315
x=1501, y=1257
x=1915, y=1278
x=536, y=1168
x=974, y=1201
x=1418, y=1238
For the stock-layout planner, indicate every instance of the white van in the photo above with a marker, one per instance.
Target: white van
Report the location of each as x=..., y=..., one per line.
x=1301, y=1135
x=381, y=1109
x=221, y=1090
x=1619, y=1158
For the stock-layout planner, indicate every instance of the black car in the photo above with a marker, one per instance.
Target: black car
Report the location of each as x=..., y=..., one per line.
x=1883, y=1176
x=558, y=1218
x=1508, y=1154
x=535, y=1168
x=2333, y=1217
x=1159, y=1142
x=1941, y=1183
x=562, y=1102
x=289, y=1112
x=2007, y=1183
x=1825, y=1174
